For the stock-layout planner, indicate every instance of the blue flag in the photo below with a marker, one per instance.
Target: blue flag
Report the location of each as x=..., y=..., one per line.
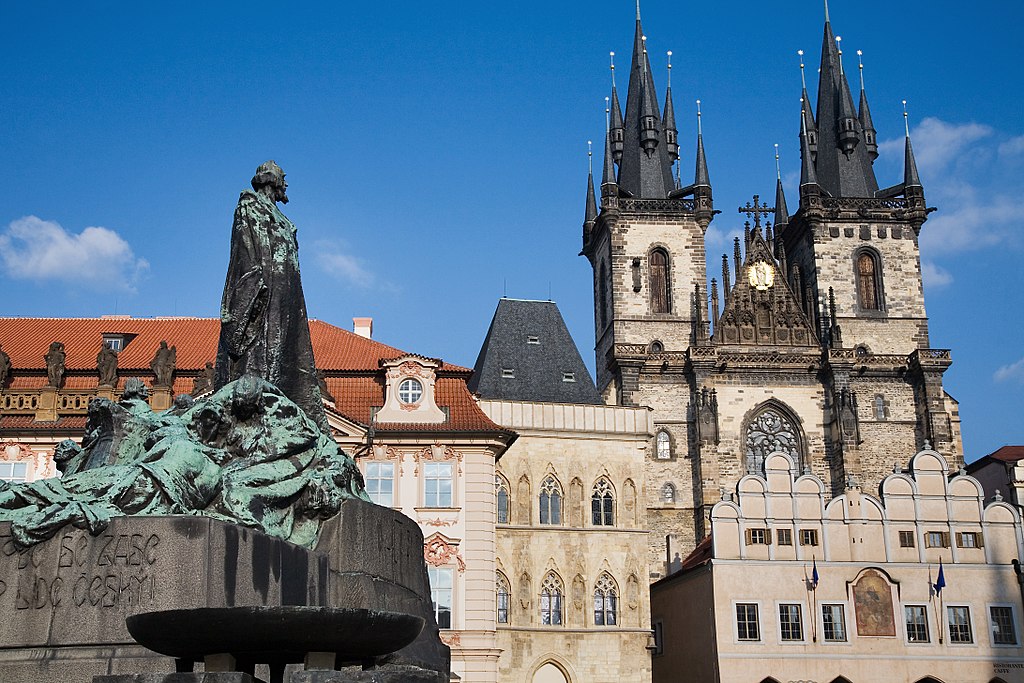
x=940, y=581
x=814, y=573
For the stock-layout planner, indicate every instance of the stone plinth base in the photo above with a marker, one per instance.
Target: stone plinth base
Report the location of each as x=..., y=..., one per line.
x=220, y=677
x=394, y=674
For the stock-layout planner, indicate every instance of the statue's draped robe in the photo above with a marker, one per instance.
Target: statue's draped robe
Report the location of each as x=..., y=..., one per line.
x=264, y=331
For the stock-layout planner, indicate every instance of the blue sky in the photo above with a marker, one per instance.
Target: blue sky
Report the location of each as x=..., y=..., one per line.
x=436, y=154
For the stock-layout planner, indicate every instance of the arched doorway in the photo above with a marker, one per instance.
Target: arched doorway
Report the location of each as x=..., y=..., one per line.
x=550, y=673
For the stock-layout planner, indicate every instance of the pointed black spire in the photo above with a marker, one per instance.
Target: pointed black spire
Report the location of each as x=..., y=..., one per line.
x=645, y=169
x=590, y=213
x=808, y=176
x=609, y=187
x=910, y=177
x=807, y=116
x=669, y=118
x=700, y=178
x=781, y=210
x=843, y=165
x=618, y=132
x=870, y=135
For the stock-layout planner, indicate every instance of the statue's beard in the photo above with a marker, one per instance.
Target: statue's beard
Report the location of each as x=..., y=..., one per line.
x=283, y=198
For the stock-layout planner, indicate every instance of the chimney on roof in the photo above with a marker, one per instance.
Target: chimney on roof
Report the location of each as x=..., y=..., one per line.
x=363, y=327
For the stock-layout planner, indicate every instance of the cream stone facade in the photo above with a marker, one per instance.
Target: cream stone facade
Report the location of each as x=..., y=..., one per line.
x=873, y=614
x=572, y=575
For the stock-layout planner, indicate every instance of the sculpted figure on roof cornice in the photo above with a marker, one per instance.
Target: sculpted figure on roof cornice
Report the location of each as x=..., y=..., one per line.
x=5, y=367
x=106, y=366
x=55, y=358
x=163, y=365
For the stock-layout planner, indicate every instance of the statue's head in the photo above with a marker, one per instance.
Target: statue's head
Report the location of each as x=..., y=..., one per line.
x=134, y=387
x=247, y=397
x=184, y=402
x=269, y=180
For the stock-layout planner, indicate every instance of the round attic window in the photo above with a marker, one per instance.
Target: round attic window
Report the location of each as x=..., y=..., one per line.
x=410, y=391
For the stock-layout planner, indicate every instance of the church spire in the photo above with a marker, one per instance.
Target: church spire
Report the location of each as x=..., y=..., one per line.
x=781, y=210
x=671, y=134
x=645, y=167
x=590, y=212
x=910, y=177
x=808, y=176
x=870, y=138
x=617, y=130
x=700, y=178
x=807, y=116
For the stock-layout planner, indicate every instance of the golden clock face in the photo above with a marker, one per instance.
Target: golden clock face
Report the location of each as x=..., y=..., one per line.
x=761, y=275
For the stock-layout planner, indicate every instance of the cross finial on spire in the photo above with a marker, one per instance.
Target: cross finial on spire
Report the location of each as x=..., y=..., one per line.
x=803, y=79
x=860, y=65
x=906, y=118
x=699, y=131
x=611, y=58
x=778, y=170
x=669, y=78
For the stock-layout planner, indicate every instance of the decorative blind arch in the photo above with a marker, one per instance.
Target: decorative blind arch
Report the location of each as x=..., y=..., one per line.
x=659, y=266
x=771, y=429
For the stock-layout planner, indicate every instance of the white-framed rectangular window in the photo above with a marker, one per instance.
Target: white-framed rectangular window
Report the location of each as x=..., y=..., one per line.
x=968, y=539
x=833, y=623
x=115, y=342
x=14, y=471
x=441, y=585
x=958, y=621
x=380, y=482
x=916, y=619
x=758, y=537
x=748, y=626
x=1002, y=625
x=936, y=539
x=791, y=622
x=437, y=484
x=808, y=537
x=784, y=536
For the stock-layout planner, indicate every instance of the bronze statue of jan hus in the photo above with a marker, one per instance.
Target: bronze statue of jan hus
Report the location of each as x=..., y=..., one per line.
x=264, y=330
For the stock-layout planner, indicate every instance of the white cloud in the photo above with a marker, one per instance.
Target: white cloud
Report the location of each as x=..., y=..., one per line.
x=935, y=276
x=1012, y=372
x=937, y=143
x=34, y=249
x=1014, y=147
x=333, y=258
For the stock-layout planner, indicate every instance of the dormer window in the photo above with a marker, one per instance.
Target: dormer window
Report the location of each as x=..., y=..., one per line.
x=114, y=342
x=410, y=391
x=531, y=339
x=508, y=373
x=568, y=376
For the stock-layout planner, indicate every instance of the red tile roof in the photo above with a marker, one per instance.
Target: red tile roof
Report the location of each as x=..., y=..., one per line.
x=1008, y=454
x=351, y=362
x=703, y=553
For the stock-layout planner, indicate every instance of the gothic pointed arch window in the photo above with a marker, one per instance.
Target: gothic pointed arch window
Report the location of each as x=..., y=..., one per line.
x=772, y=429
x=503, y=597
x=660, y=279
x=602, y=503
x=606, y=601
x=550, y=501
x=551, y=592
x=869, y=279
x=502, y=498
x=668, y=492
x=663, y=445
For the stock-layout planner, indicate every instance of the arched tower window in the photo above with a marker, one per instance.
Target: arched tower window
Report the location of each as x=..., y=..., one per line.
x=663, y=446
x=668, y=493
x=772, y=429
x=602, y=503
x=551, y=600
x=504, y=593
x=869, y=280
x=501, y=493
x=550, y=501
x=660, y=300
x=606, y=601
x=602, y=295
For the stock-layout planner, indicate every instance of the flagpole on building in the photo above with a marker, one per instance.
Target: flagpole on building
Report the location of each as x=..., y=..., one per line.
x=814, y=600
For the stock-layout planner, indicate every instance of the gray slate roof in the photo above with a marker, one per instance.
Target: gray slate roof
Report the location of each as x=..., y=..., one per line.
x=529, y=341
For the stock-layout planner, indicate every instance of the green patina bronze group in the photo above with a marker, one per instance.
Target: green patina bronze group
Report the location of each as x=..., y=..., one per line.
x=257, y=451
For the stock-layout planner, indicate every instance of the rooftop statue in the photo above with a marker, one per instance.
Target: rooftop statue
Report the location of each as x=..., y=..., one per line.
x=55, y=357
x=106, y=366
x=264, y=330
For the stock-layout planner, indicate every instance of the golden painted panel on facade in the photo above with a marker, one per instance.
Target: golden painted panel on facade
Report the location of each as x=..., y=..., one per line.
x=872, y=599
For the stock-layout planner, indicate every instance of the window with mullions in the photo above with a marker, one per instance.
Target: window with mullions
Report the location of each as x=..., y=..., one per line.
x=833, y=623
x=601, y=504
x=551, y=601
x=501, y=493
x=1004, y=631
x=869, y=281
x=664, y=446
x=791, y=625
x=916, y=618
x=504, y=593
x=605, y=602
x=13, y=471
x=747, y=626
x=437, y=484
x=441, y=595
x=550, y=501
x=659, y=278
x=410, y=391
x=380, y=483
x=769, y=432
x=959, y=620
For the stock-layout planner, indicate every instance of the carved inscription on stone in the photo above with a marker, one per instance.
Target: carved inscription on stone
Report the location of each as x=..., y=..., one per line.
x=113, y=570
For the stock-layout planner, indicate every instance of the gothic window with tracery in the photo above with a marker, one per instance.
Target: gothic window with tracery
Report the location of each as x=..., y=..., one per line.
x=504, y=593
x=660, y=301
x=664, y=446
x=879, y=407
x=606, y=601
x=501, y=492
x=868, y=281
x=602, y=503
x=550, y=501
x=668, y=493
x=551, y=600
x=769, y=432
